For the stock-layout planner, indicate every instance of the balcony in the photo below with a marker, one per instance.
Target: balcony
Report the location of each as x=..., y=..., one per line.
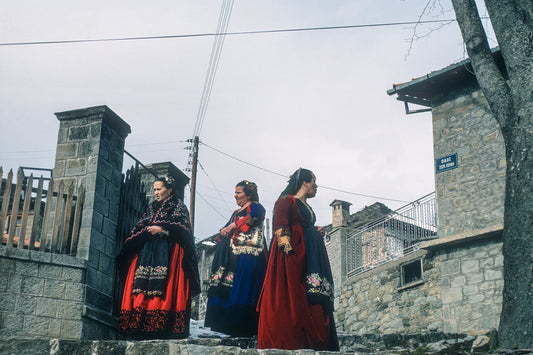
x=397, y=234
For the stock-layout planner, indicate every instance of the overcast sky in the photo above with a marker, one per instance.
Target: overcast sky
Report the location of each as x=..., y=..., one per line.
x=313, y=99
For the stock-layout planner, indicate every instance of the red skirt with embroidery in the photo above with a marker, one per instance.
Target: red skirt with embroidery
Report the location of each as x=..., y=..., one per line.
x=166, y=316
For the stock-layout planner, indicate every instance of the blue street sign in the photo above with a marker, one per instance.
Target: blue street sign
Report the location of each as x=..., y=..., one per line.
x=446, y=163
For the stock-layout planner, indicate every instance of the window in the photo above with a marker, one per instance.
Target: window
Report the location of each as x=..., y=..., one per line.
x=411, y=273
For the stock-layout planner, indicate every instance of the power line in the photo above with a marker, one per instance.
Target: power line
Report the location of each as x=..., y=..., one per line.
x=242, y=161
x=216, y=50
x=223, y=21
x=216, y=189
x=29, y=151
x=140, y=38
x=363, y=195
x=210, y=205
x=321, y=186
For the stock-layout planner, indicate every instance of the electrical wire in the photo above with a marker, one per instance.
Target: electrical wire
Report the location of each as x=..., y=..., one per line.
x=321, y=186
x=216, y=50
x=214, y=60
x=243, y=161
x=325, y=28
x=216, y=189
x=210, y=205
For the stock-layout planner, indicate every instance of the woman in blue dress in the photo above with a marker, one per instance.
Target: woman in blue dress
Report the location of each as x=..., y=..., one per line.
x=238, y=268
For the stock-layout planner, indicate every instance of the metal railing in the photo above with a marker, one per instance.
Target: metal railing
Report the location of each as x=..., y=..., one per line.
x=391, y=237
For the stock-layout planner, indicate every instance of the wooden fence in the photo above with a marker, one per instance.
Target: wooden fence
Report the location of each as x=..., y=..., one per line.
x=44, y=218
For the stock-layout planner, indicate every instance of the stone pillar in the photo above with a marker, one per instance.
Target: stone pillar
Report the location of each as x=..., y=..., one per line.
x=90, y=151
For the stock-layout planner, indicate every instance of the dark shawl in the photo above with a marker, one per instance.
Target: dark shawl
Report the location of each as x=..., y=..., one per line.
x=154, y=251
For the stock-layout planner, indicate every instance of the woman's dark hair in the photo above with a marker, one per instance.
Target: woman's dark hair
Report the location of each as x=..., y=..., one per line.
x=296, y=180
x=167, y=181
x=250, y=189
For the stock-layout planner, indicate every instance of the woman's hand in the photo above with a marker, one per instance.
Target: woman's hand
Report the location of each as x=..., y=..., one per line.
x=154, y=230
x=321, y=230
x=226, y=231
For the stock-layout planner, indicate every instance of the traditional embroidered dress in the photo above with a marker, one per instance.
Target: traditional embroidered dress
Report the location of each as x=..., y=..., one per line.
x=237, y=275
x=296, y=305
x=162, y=274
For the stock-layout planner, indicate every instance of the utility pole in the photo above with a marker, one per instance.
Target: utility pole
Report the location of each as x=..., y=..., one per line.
x=193, y=181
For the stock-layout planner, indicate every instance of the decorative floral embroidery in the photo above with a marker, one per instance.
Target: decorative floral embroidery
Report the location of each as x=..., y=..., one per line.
x=151, y=273
x=157, y=322
x=216, y=277
x=147, y=273
x=148, y=293
x=228, y=279
x=317, y=284
x=219, y=279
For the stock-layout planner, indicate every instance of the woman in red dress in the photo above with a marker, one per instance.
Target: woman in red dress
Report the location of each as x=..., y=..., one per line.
x=162, y=270
x=296, y=305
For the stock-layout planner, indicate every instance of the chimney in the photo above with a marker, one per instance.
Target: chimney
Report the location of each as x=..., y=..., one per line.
x=340, y=212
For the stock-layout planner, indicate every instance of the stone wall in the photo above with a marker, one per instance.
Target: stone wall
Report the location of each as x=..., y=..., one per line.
x=471, y=196
x=41, y=294
x=472, y=284
x=374, y=302
x=461, y=291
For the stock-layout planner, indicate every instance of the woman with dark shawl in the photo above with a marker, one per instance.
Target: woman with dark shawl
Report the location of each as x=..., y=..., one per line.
x=238, y=267
x=162, y=270
x=296, y=305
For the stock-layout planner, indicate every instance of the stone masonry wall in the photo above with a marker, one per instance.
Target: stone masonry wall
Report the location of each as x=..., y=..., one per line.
x=41, y=294
x=472, y=284
x=372, y=302
x=461, y=292
x=471, y=196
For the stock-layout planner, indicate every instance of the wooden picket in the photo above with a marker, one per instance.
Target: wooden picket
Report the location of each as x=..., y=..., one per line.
x=39, y=219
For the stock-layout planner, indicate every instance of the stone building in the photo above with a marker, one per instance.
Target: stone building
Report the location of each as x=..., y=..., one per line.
x=451, y=282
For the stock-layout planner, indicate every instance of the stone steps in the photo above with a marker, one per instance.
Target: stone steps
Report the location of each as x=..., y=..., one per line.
x=428, y=343
x=234, y=346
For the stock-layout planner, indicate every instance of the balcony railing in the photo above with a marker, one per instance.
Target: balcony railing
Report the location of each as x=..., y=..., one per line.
x=391, y=237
